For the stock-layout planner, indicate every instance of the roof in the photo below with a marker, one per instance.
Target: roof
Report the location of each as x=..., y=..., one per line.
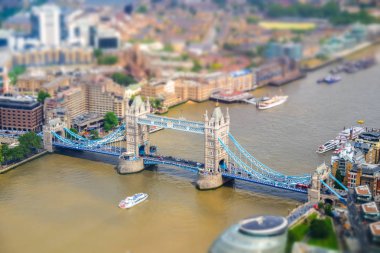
x=362, y=190
x=375, y=228
x=19, y=102
x=264, y=225
x=370, y=207
x=217, y=114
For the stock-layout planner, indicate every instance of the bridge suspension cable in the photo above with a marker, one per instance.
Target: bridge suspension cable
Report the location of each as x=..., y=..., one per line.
x=264, y=168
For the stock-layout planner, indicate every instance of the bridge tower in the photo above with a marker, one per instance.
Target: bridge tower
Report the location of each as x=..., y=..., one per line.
x=321, y=173
x=216, y=158
x=55, y=125
x=137, y=137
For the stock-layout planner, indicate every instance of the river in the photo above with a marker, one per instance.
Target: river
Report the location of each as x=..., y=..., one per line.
x=63, y=204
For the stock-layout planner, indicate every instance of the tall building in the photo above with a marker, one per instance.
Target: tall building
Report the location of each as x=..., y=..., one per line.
x=90, y=94
x=47, y=24
x=20, y=114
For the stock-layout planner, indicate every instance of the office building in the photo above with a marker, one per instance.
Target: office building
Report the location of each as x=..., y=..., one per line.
x=47, y=24
x=20, y=114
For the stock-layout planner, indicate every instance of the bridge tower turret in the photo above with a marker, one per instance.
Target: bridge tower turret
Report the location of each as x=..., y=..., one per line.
x=137, y=137
x=52, y=125
x=216, y=158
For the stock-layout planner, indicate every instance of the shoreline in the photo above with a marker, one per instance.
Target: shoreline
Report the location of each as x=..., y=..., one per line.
x=13, y=166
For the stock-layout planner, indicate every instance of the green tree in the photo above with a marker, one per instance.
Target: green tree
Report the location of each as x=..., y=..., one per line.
x=123, y=79
x=196, y=66
x=30, y=142
x=42, y=95
x=94, y=134
x=156, y=102
x=168, y=48
x=97, y=53
x=340, y=178
x=142, y=9
x=328, y=209
x=14, y=74
x=74, y=130
x=1, y=155
x=318, y=228
x=5, y=152
x=110, y=121
x=107, y=60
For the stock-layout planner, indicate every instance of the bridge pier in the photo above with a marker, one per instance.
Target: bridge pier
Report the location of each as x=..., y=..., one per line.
x=129, y=166
x=209, y=181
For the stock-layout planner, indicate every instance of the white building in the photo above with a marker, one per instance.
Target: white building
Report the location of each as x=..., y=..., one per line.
x=47, y=24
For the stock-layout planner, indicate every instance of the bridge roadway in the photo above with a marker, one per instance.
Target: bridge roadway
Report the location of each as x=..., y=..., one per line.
x=231, y=172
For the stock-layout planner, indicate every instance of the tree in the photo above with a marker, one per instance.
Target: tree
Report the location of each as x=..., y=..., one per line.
x=340, y=178
x=4, y=152
x=94, y=134
x=196, y=66
x=110, y=121
x=318, y=228
x=14, y=74
x=123, y=79
x=29, y=142
x=42, y=95
x=107, y=60
x=74, y=130
x=97, y=53
x=142, y=9
x=155, y=102
x=328, y=209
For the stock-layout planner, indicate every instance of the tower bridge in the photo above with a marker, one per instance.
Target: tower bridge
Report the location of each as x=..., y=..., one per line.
x=224, y=157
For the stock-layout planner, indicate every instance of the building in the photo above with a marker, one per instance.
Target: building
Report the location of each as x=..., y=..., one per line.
x=90, y=94
x=5, y=66
x=48, y=24
x=107, y=38
x=275, y=50
x=366, y=175
x=374, y=229
x=363, y=194
x=20, y=114
x=47, y=56
x=257, y=234
x=370, y=211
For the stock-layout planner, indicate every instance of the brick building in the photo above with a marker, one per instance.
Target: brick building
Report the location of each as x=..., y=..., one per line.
x=20, y=114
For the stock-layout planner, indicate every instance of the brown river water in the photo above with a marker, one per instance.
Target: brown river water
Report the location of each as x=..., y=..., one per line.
x=59, y=203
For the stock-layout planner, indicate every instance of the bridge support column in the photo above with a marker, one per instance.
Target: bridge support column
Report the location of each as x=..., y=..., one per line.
x=129, y=166
x=47, y=139
x=216, y=158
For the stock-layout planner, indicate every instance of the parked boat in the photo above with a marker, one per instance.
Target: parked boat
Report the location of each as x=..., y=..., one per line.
x=351, y=133
x=272, y=102
x=329, y=145
x=330, y=79
x=133, y=200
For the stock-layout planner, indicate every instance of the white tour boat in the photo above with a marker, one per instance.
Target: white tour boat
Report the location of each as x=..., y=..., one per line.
x=354, y=131
x=272, y=102
x=329, y=145
x=133, y=200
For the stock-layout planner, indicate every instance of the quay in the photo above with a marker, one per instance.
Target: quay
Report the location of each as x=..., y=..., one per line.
x=12, y=166
x=229, y=97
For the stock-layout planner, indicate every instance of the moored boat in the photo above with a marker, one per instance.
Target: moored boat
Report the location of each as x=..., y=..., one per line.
x=329, y=145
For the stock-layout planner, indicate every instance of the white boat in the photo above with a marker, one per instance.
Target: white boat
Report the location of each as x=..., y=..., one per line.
x=133, y=200
x=350, y=133
x=272, y=102
x=329, y=145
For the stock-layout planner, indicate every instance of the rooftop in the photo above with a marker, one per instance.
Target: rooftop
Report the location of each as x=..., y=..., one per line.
x=19, y=102
x=84, y=118
x=370, y=207
x=375, y=228
x=362, y=190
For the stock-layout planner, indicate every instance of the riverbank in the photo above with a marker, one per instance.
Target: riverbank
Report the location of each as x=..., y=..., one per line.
x=315, y=64
x=12, y=166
